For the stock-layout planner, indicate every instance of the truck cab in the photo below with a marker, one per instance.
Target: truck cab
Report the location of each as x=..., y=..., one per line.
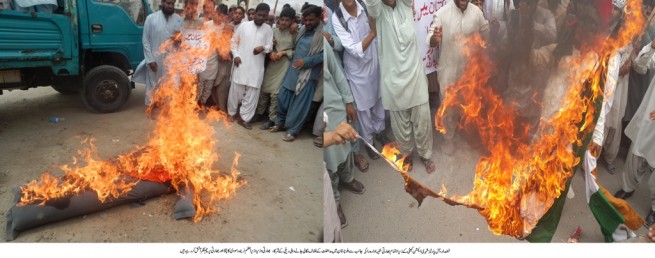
x=88, y=47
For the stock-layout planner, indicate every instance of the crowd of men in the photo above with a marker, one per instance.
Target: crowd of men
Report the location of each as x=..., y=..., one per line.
x=374, y=78
x=271, y=72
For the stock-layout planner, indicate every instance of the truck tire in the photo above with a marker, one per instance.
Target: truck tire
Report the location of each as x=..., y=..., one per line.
x=106, y=89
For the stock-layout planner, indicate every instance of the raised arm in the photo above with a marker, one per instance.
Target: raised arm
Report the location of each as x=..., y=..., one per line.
x=407, y=3
x=644, y=60
x=374, y=8
x=355, y=48
x=433, y=40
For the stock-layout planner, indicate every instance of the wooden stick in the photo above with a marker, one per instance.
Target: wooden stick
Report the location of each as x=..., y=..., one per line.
x=275, y=8
x=645, y=29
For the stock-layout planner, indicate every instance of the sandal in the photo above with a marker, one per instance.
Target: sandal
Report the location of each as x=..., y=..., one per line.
x=289, y=138
x=276, y=128
x=430, y=167
x=245, y=124
x=361, y=163
x=318, y=141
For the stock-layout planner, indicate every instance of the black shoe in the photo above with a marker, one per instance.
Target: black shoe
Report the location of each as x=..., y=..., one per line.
x=354, y=186
x=267, y=125
x=245, y=124
x=256, y=118
x=382, y=138
x=650, y=219
x=623, y=194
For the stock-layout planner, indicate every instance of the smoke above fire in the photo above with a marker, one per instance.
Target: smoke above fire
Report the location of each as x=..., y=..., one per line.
x=530, y=100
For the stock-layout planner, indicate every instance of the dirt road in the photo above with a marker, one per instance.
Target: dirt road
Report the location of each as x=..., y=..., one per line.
x=282, y=201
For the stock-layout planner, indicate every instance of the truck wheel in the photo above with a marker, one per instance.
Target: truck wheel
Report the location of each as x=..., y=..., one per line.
x=106, y=89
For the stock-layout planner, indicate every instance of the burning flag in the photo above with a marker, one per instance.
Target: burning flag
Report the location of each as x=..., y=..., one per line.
x=610, y=212
x=520, y=182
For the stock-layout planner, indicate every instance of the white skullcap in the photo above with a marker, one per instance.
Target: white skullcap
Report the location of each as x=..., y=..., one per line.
x=619, y=3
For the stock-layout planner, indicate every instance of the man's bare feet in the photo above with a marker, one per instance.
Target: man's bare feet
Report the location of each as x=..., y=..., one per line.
x=651, y=233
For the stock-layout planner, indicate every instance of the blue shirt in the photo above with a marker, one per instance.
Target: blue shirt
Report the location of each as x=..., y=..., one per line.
x=314, y=62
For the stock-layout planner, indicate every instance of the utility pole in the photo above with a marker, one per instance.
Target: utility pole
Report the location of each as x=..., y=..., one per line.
x=275, y=9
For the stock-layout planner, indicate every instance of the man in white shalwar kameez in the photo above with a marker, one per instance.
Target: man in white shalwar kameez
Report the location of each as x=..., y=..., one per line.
x=250, y=44
x=158, y=28
x=641, y=130
x=455, y=20
x=362, y=68
x=614, y=121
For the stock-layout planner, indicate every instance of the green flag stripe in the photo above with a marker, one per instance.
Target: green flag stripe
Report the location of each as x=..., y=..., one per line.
x=545, y=229
x=607, y=216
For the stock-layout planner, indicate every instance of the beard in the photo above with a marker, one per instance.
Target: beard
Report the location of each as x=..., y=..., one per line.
x=168, y=11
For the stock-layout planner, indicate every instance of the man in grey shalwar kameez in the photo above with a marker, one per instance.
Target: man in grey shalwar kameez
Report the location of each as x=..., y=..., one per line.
x=157, y=29
x=338, y=105
x=403, y=83
x=641, y=130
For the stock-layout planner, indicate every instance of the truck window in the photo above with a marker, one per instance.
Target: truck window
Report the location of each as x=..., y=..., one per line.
x=134, y=8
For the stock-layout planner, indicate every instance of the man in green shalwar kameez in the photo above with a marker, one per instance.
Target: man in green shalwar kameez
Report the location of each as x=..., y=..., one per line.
x=338, y=107
x=403, y=84
x=284, y=41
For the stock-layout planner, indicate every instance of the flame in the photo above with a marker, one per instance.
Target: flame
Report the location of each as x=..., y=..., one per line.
x=181, y=149
x=392, y=154
x=518, y=180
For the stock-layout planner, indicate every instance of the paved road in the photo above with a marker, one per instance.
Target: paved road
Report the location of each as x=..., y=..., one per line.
x=385, y=213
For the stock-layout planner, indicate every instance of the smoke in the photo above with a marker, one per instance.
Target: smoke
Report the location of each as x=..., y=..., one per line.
x=526, y=52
